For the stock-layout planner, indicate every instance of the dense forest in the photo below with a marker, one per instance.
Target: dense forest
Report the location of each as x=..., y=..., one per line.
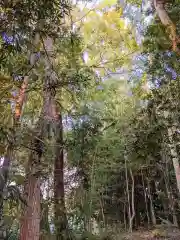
x=89, y=119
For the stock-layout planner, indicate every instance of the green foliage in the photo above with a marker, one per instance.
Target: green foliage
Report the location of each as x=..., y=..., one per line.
x=116, y=136
x=106, y=31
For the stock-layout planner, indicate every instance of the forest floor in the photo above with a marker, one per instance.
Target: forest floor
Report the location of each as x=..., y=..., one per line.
x=159, y=233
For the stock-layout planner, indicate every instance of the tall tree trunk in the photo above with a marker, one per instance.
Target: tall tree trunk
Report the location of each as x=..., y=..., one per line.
x=30, y=221
x=8, y=157
x=145, y=199
x=49, y=119
x=171, y=201
x=174, y=155
x=44, y=224
x=32, y=212
x=60, y=217
x=132, y=201
x=153, y=216
x=128, y=196
x=30, y=227
x=19, y=102
x=102, y=211
x=124, y=208
x=61, y=223
x=3, y=182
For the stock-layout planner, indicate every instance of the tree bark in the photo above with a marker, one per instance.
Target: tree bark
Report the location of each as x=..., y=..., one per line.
x=128, y=196
x=19, y=102
x=32, y=212
x=44, y=224
x=60, y=217
x=166, y=21
x=21, y=99
x=30, y=221
x=171, y=201
x=8, y=157
x=3, y=182
x=153, y=217
x=61, y=223
x=124, y=208
x=49, y=119
x=174, y=155
x=145, y=199
x=162, y=13
x=132, y=201
x=30, y=227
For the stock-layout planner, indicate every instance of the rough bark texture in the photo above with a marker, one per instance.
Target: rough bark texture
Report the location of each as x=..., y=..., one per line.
x=30, y=227
x=61, y=224
x=55, y=119
x=30, y=221
x=32, y=212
